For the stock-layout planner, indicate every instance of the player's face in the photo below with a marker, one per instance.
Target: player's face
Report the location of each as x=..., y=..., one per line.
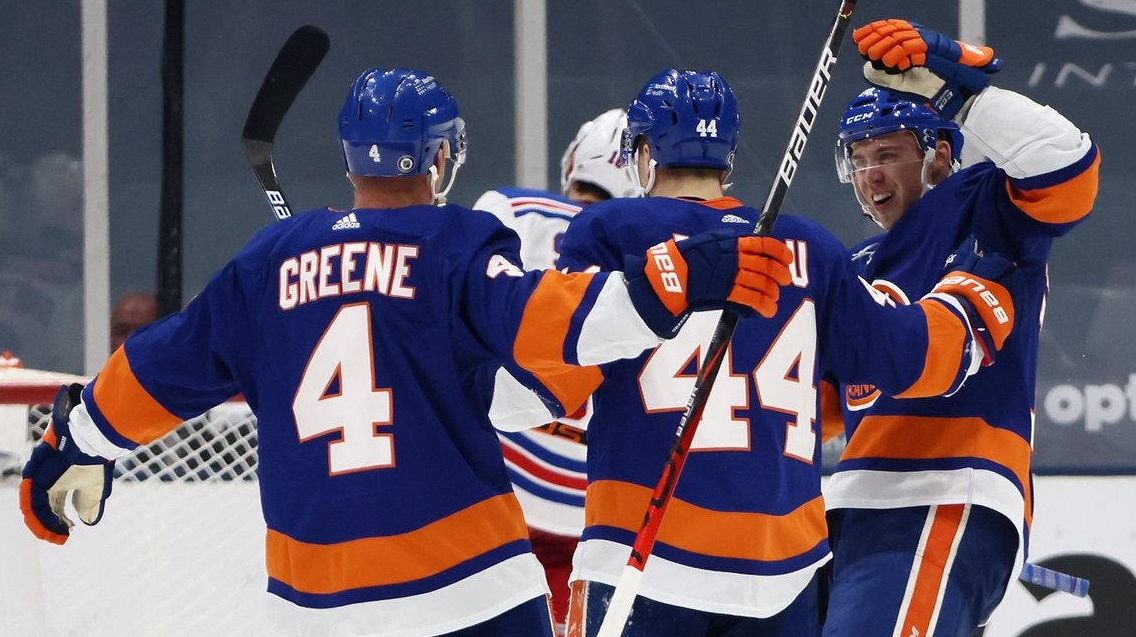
x=888, y=175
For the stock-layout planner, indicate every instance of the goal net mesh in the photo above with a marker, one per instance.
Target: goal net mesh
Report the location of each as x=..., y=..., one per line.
x=180, y=548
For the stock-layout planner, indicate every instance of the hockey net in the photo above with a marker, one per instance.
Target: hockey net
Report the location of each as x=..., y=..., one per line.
x=180, y=548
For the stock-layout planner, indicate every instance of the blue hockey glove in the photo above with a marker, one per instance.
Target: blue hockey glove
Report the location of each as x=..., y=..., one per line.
x=986, y=286
x=910, y=58
x=57, y=468
x=710, y=271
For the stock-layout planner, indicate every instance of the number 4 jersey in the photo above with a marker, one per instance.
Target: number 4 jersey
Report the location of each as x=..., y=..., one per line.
x=746, y=530
x=367, y=343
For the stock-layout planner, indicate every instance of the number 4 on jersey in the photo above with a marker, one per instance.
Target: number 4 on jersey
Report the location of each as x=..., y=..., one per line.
x=337, y=393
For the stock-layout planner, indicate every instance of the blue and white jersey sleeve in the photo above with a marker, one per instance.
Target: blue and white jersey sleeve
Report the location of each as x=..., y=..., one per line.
x=1051, y=167
x=549, y=327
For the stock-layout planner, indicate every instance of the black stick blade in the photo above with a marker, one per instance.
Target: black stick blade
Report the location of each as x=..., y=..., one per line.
x=294, y=64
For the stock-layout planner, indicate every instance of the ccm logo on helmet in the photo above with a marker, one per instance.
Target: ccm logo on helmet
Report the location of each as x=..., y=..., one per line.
x=857, y=118
x=983, y=293
x=665, y=264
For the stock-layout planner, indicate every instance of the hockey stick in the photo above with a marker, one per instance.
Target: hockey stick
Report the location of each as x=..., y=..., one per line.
x=1054, y=580
x=626, y=589
x=294, y=64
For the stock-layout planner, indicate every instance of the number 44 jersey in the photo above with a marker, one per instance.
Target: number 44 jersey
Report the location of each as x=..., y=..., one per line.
x=367, y=343
x=746, y=529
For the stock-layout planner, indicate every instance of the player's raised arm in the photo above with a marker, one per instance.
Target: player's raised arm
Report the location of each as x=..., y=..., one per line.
x=550, y=326
x=1051, y=166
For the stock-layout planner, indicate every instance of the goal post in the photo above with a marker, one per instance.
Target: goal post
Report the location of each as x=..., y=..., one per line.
x=180, y=548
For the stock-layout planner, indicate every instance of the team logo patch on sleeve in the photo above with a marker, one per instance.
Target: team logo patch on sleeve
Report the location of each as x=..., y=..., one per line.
x=860, y=397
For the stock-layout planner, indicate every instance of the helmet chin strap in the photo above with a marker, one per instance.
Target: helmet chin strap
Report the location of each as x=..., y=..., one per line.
x=650, y=178
x=864, y=208
x=439, y=196
x=925, y=171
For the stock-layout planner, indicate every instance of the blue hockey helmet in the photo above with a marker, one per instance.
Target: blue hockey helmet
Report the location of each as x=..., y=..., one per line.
x=689, y=118
x=878, y=111
x=393, y=123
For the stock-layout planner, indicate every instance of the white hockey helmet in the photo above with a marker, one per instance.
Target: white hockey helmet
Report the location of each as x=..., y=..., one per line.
x=592, y=157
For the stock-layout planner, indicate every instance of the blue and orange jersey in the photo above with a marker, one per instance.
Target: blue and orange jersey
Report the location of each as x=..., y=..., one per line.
x=547, y=471
x=366, y=343
x=974, y=446
x=539, y=217
x=746, y=528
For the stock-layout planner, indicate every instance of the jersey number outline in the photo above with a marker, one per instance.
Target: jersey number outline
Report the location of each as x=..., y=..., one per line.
x=782, y=380
x=345, y=353
x=707, y=128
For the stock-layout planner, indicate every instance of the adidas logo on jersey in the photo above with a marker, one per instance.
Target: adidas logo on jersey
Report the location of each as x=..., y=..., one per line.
x=733, y=219
x=348, y=222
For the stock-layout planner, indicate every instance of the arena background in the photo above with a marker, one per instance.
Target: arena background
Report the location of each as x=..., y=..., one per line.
x=526, y=74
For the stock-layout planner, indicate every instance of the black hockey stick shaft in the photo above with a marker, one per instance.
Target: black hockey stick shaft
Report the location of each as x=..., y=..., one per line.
x=290, y=71
x=704, y=382
x=171, y=220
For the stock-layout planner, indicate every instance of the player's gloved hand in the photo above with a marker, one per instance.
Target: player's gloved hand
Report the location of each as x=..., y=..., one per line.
x=986, y=285
x=910, y=58
x=709, y=271
x=57, y=468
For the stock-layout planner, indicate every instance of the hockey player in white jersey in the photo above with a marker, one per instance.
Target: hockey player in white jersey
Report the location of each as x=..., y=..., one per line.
x=588, y=174
x=548, y=470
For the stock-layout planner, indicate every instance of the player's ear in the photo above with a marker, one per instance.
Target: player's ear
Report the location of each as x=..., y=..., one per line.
x=440, y=160
x=643, y=160
x=941, y=165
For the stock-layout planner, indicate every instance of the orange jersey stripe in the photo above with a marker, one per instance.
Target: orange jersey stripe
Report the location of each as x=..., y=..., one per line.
x=831, y=416
x=932, y=569
x=946, y=340
x=928, y=437
x=539, y=347
x=377, y=561
x=1065, y=202
x=126, y=404
x=722, y=203
x=750, y=536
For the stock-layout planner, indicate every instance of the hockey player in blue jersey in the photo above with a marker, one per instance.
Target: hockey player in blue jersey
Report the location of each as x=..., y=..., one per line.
x=745, y=533
x=366, y=342
x=546, y=467
x=930, y=505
